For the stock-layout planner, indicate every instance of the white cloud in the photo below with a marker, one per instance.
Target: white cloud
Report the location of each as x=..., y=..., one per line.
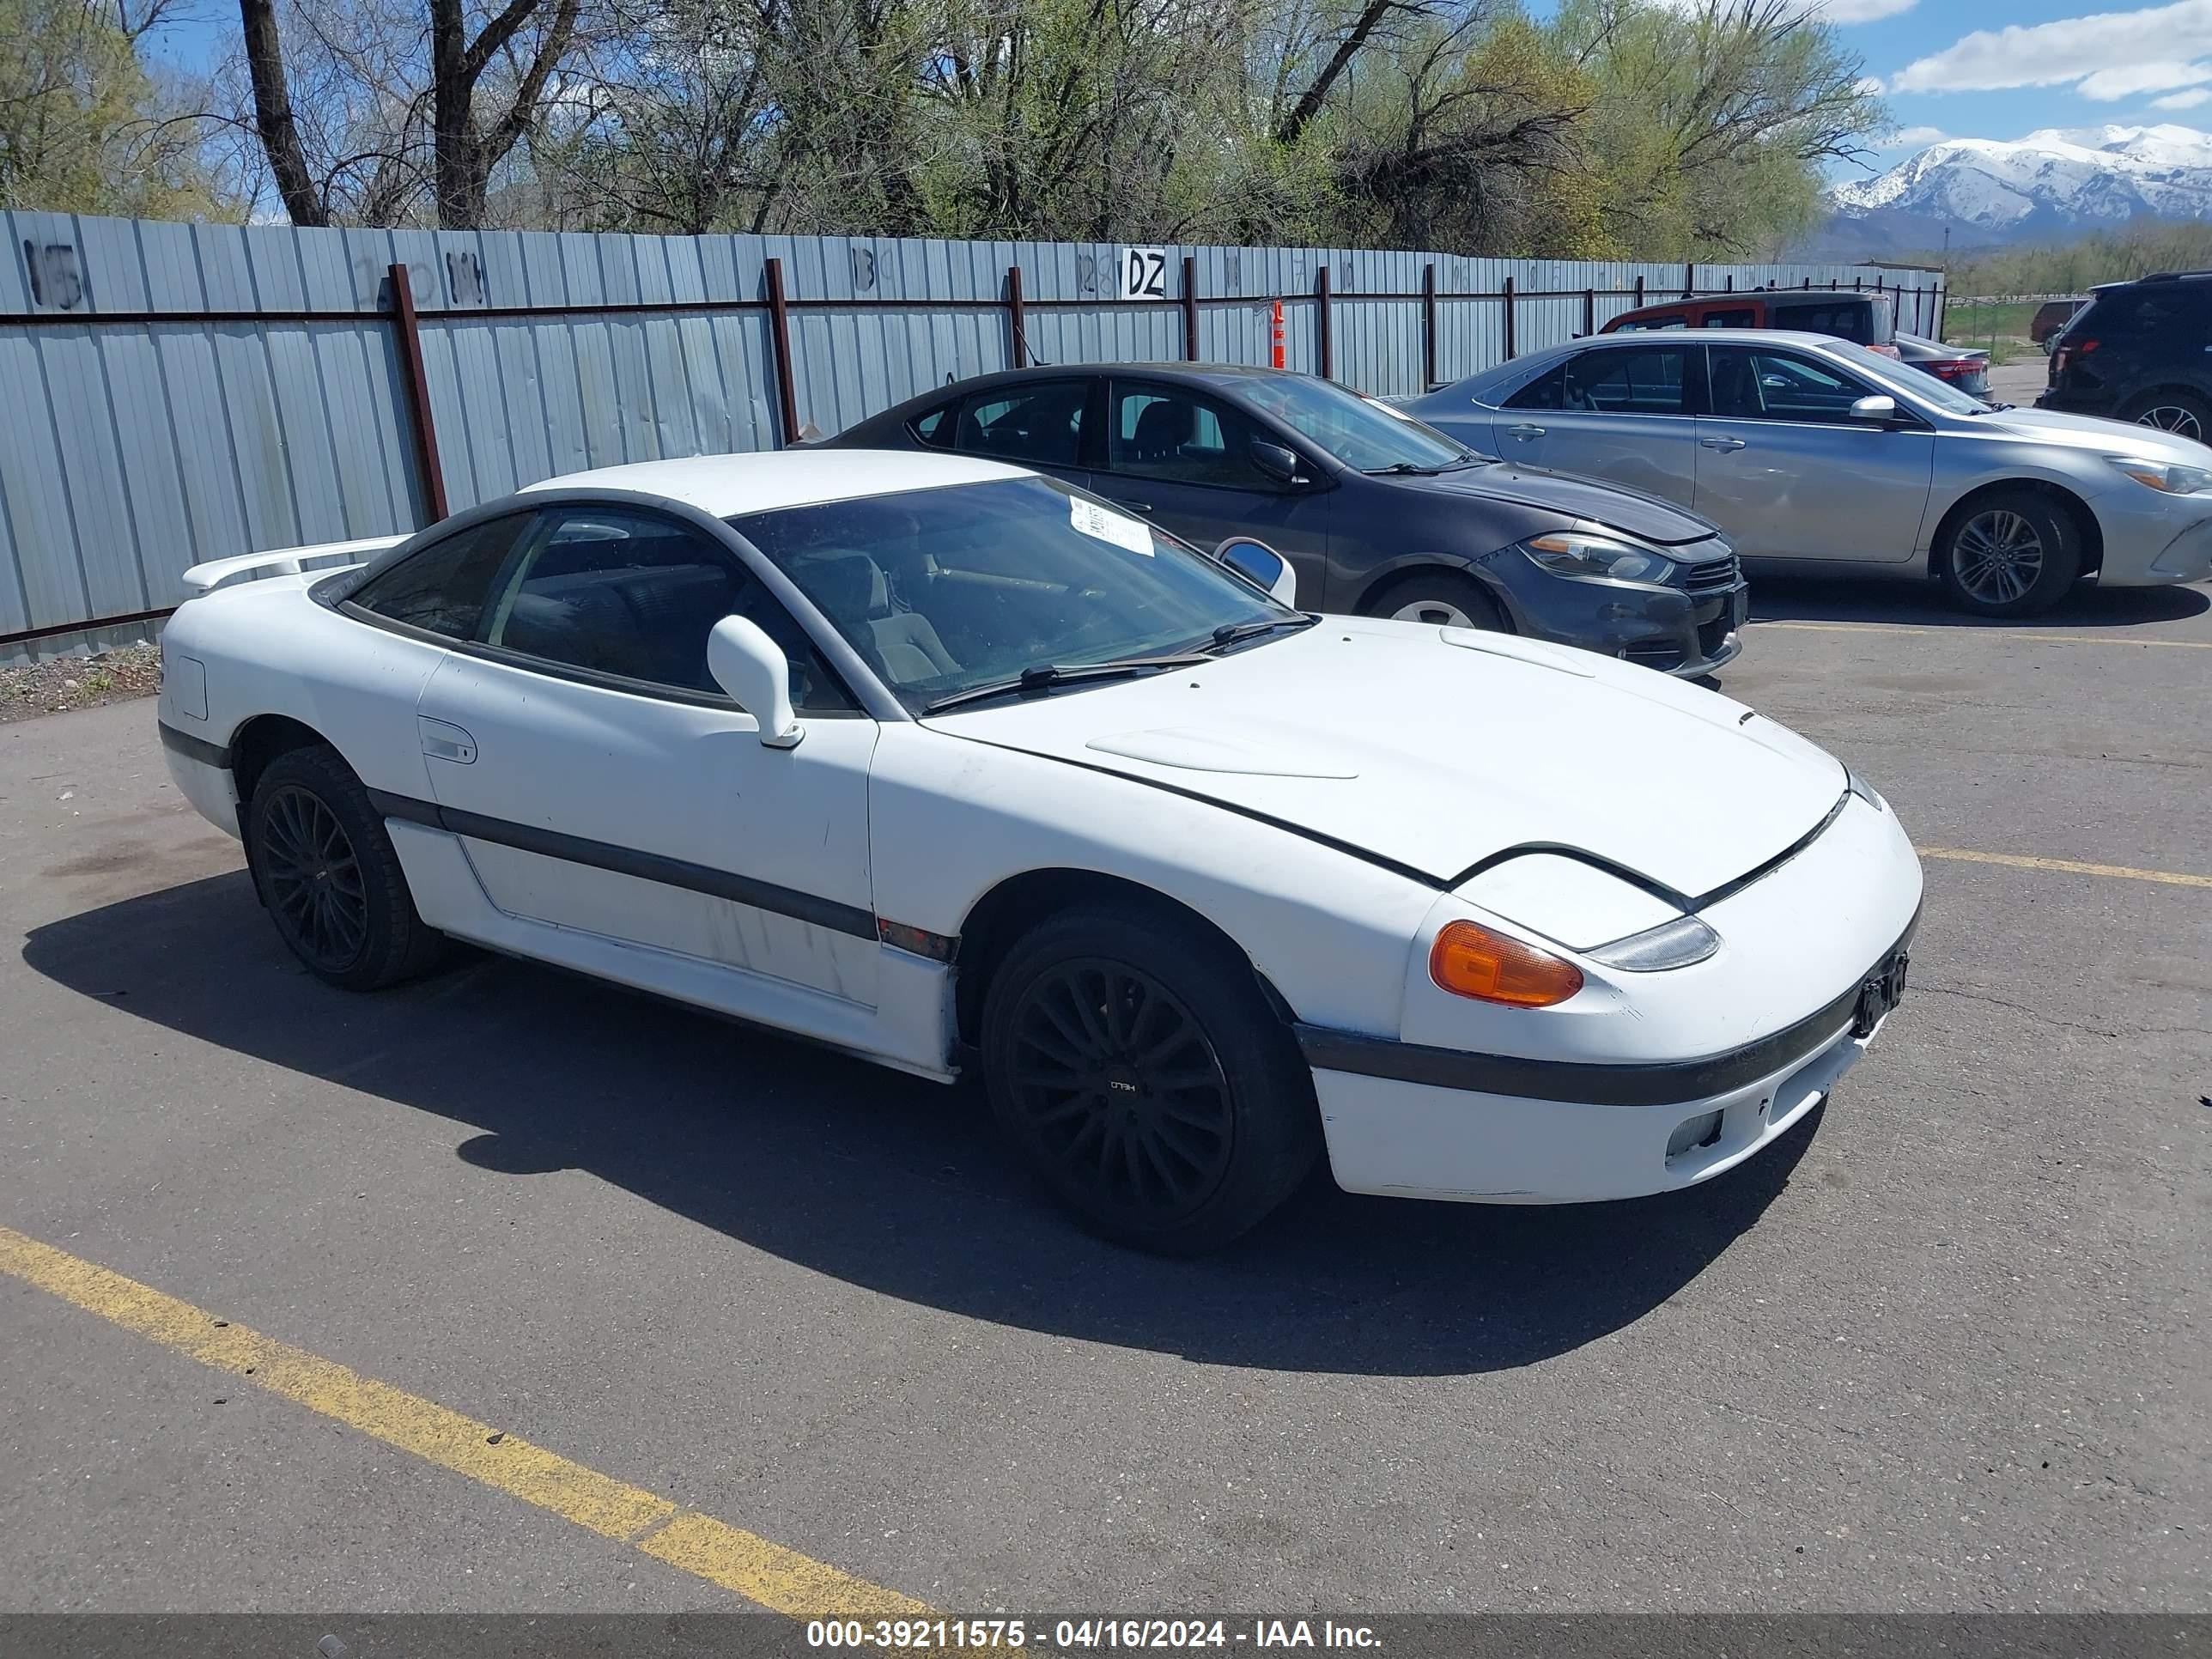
x=2113, y=49
x=2189, y=100
x=1871, y=85
x=1917, y=138
x=2110, y=83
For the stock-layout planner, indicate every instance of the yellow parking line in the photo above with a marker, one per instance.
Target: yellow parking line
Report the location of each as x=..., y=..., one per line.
x=1985, y=633
x=777, y=1578
x=2021, y=861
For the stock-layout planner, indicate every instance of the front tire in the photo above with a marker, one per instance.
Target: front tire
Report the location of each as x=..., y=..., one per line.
x=1137, y=1068
x=326, y=873
x=1441, y=599
x=2184, y=414
x=2010, y=554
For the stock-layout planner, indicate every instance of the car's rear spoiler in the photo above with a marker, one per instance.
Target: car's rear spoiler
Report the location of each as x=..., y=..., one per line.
x=283, y=561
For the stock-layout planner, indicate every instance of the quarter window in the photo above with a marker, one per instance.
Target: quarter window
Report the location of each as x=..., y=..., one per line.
x=1542, y=392
x=442, y=588
x=633, y=596
x=1736, y=317
x=1631, y=380
x=935, y=428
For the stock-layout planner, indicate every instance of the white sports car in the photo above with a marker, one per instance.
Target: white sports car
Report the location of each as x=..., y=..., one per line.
x=952, y=767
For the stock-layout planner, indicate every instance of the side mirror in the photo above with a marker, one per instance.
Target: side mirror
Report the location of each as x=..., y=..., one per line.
x=1278, y=461
x=752, y=668
x=1261, y=565
x=1878, y=410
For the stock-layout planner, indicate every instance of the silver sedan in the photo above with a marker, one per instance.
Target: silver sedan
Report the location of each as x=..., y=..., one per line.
x=1819, y=453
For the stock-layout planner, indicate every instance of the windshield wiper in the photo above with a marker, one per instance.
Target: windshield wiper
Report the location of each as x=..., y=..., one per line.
x=1228, y=632
x=1409, y=469
x=1045, y=674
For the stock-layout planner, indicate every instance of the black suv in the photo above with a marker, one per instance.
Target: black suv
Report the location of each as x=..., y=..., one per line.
x=2140, y=351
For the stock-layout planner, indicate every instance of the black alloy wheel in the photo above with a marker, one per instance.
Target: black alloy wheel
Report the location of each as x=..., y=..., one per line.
x=1144, y=1077
x=1117, y=1082
x=314, y=880
x=324, y=866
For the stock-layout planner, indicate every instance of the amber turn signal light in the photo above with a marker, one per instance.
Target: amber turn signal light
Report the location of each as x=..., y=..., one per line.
x=1470, y=961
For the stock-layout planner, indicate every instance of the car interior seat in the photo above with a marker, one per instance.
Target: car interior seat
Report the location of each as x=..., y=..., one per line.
x=850, y=587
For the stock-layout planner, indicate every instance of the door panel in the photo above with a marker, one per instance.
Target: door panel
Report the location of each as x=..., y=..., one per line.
x=1616, y=413
x=602, y=782
x=654, y=821
x=1181, y=459
x=1787, y=474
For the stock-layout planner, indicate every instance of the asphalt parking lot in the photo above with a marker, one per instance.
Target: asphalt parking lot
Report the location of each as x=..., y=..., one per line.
x=1944, y=1350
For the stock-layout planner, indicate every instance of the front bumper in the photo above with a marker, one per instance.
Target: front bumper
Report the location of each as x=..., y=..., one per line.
x=2151, y=539
x=1410, y=1119
x=1406, y=1140
x=1678, y=632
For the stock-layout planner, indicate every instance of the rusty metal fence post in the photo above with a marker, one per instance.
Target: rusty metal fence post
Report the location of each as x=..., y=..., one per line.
x=408, y=338
x=1508, y=319
x=1428, y=326
x=1189, y=308
x=1321, y=321
x=778, y=328
x=1016, y=317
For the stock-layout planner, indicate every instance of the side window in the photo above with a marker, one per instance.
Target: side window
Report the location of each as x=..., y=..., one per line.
x=1735, y=317
x=1842, y=319
x=1632, y=380
x=443, y=587
x=935, y=428
x=1751, y=385
x=1041, y=424
x=1542, y=392
x=635, y=595
x=1664, y=320
x=1171, y=432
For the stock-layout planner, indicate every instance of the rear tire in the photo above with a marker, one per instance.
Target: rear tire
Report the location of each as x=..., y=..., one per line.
x=2010, y=554
x=1441, y=599
x=1136, y=1067
x=2184, y=414
x=326, y=873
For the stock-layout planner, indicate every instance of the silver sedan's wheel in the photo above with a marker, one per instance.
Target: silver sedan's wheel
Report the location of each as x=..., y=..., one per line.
x=1999, y=556
x=1440, y=613
x=2013, y=553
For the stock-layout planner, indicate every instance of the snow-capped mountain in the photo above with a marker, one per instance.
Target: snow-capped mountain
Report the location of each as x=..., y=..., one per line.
x=2048, y=182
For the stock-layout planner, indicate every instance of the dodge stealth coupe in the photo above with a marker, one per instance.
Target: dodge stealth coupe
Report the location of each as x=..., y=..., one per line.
x=958, y=769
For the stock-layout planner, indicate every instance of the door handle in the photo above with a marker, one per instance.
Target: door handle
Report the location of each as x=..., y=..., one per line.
x=1524, y=432
x=1722, y=444
x=442, y=740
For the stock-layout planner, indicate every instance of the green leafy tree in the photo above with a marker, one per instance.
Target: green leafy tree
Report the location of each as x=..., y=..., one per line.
x=85, y=127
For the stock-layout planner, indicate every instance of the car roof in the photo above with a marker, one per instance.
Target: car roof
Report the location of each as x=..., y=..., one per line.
x=1214, y=374
x=728, y=484
x=1513, y=371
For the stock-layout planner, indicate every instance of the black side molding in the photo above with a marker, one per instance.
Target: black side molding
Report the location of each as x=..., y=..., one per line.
x=192, y=748
x=629, y=862
x=1661, y=1084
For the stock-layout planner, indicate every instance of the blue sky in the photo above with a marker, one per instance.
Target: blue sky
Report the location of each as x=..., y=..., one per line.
x=1961, y=69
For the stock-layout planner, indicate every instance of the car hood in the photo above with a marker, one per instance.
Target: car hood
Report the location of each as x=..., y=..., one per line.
x=1435, y=749
x=2091, y=432
x=1629, y=511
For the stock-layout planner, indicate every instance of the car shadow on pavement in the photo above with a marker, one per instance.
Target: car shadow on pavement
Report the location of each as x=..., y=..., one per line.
x=890, y=1182
x=1793, y=597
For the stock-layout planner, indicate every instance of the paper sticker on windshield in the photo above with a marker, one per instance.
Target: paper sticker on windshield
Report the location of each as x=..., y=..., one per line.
x=1093, y=519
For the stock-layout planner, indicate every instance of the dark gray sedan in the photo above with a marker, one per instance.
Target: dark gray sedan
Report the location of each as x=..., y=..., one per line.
x=1377, y=513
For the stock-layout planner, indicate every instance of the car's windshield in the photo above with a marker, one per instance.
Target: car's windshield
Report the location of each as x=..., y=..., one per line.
x=1349, y=427
x=941, y=591
x=1925, y=388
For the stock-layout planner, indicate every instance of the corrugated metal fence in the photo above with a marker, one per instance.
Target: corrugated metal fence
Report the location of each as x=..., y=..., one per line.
x=171, y=394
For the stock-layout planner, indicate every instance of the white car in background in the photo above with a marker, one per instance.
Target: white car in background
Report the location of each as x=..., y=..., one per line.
x=956, y=769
